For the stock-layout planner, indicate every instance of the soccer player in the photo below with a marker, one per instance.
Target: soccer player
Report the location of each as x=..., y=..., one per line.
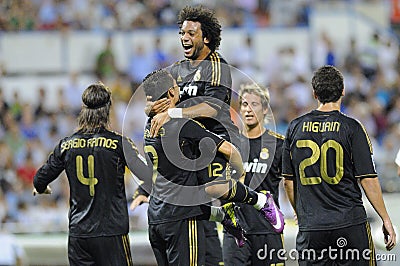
x=326, y=155
x=173, y=168
x=94, y=161
x=263, y=171
x=204, y=79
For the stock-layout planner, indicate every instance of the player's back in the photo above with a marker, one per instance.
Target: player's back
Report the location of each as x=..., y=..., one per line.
x=329, y=151
x=95, y=167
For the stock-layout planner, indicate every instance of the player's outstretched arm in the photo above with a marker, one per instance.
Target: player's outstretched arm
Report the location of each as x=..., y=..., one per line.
x=373, y=191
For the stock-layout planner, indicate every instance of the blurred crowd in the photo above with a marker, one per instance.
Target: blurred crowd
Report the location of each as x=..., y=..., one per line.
x=28, y=15
x=30, y=130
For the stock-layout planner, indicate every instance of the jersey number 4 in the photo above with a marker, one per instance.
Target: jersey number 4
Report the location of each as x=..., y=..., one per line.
x=90, y=181
x=320, y=154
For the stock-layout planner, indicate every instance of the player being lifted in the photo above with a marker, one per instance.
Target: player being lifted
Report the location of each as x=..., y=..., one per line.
x=263, y=168
x=93, y=159
x=190, y=133
x=204, y=80
x=325, y=155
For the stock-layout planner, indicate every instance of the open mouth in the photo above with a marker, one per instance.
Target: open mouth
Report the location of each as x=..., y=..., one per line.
x=187, y=48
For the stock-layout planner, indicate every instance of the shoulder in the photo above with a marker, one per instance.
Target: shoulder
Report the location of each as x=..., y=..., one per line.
x=275, y=135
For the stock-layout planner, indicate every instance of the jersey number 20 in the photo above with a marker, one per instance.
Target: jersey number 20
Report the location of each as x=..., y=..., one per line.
x=320, y=153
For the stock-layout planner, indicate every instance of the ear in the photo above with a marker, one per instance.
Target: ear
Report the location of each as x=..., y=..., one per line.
x=315, y=96
x=265, y=111
x=171, y=93
x=206, y=40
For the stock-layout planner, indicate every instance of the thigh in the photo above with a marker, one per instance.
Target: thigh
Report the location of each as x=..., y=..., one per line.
x=267, y=249
x=213, y=247
x=312, y=248
x=354, y=245
x=185, y=242
x=158, y=244
x=217, y=170
x=233, y=255
x=78, y=253
x=111, y=250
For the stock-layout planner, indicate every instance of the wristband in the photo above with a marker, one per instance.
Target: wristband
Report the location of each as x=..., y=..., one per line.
x=175, y=113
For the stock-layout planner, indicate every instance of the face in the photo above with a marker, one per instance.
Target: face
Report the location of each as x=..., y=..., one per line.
x=192, y=40
x=251, y=110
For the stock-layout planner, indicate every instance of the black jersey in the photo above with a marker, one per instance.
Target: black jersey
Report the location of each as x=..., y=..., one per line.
x=325, y=153
x=210, y=82
x=95, y=166
x=263, y=173
x=175, y=193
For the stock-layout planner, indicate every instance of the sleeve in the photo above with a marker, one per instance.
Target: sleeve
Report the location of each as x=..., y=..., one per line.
x=278, y=155
x=141, y=167
x=362, y=153
x=50, y=170
x=287, y=169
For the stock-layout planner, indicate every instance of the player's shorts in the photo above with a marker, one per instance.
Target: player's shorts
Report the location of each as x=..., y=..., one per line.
x=218, y=170
x=266, y=249
x=350, y=246
x=104, y=250
x=178, y=243
x=213, y=244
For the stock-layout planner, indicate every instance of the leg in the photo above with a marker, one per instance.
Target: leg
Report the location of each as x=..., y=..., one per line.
x=158, y=245
x=111, y=250
x=313, y=247
x=213, y=244
x=233, y=255
x=267, y=249
x=354, y=245
x=78, y=253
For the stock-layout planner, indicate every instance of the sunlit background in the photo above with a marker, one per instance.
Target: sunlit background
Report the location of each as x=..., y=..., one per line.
x=51, y=50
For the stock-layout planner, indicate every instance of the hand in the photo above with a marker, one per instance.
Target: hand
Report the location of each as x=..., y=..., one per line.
x=157, y=122
x=138, y=201
x=47, y=191
x=389, y=235
x=159, y=106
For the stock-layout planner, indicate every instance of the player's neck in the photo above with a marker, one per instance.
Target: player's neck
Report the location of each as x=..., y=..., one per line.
x=253, y=132
x=202, y=55
x=328, y=107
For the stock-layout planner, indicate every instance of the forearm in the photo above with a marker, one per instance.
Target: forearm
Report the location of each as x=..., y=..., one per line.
x=373, y=191
x=289, y=188
x=199, y=110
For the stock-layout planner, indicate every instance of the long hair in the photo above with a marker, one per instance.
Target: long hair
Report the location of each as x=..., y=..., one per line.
x=210, y=25
x=95, y=111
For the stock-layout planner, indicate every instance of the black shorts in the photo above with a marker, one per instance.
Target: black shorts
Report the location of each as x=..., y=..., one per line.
x=178, y=243
x=218, y=170
x=259, y=250
x=104, y=250
x=350, y=246
x=213, y=244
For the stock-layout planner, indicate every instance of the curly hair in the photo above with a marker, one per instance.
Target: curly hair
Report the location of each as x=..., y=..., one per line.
x=328, y=84
x=210, y=25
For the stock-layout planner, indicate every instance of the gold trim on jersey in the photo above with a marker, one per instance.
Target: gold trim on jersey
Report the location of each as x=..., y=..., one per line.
x=193, y=247
x=366, y=175
x=276, y=135
x=368, y=139
x=127, y=249
x=216, y=69
x=372, y=261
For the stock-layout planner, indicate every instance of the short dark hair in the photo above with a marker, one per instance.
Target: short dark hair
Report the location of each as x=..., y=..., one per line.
x=95, y=111
x=157, y=83
x=210, y=25
x=328, y=84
